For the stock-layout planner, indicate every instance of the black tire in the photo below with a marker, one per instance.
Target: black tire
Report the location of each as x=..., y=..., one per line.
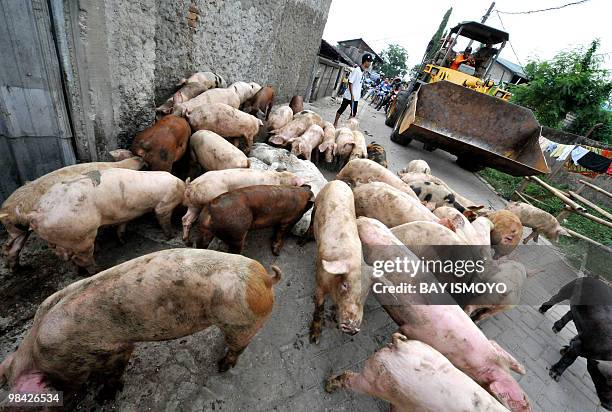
x=428, y=147
x=400, y=105
x=400, y=140
x=471, y=165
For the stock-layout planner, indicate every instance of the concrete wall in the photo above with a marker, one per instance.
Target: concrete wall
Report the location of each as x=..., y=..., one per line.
x=130, y=54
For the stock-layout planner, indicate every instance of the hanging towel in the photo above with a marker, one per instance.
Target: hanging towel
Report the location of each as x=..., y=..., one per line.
x=595, y=162
x=544, y=142
x=552, y=147
x=566, y=151
x=578, y=152
x=558, y=150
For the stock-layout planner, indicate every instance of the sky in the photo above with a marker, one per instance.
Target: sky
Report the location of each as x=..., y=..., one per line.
x=411, y=24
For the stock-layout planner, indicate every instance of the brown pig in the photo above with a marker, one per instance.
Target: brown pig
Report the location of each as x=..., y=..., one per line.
x=226, y=96
x=226, y=121
x=211, y=184
x=391, y=206
x=163, y=143
x=338, y=258
x=538, y=220
x=297, y=104
x=329, y=142
x=260, y=104
x=360, y=150
x=279, y=117
x=91, y=326
x=366, y=171
x=230, y=216
x=413, y=376
x=14, y=213
x=305, y=144
x=377, y=154
x=69, y=214
x=507, y=232
x=213, y=152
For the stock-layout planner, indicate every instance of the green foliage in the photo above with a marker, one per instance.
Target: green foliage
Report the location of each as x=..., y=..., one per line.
x=573, y=81
x=434, y=43
x=415, y=71
x=394, y=61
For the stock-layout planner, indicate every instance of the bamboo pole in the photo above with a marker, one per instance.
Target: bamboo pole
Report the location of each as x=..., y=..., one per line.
x=591, y=204
x=521, y=187
x=596, y=188
x=562, y=215
x=522, y=197
x=558, y=193
x=579, y=236
x=535, y=200
x=590, y=216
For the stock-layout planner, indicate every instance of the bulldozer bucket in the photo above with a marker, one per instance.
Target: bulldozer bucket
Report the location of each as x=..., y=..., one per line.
x=475, y=127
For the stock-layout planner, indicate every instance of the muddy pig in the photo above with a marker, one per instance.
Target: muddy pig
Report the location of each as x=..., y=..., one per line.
x=260, y=104
x=345, y=142
x=230, y=215
x=538, y=220
x=413, y=376
x=213, y=152
x=211, y=184
x=445, y=327
x=338, y=258
x=163, y=143
x=193, y=86
x=329, y=142
x=297, y=104
x=14, y=213
x=305, y=144
x=352, y=124
x=416, y=166
x=279, y=117
x=69, y=214
x=366, y=171
x=226, y=121
x=507, y=232
x=377, y=154
x=295, y=128
x=360, y=150
x=90, y=327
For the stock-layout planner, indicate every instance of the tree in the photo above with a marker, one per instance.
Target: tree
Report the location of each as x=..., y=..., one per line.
x=394, y=61
x=572, y=82
x=434, y=43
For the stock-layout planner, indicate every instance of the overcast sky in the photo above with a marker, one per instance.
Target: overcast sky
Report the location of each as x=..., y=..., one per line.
x=411, y=24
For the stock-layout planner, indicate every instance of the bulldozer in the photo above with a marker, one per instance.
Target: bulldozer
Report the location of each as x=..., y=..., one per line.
x=461, y=110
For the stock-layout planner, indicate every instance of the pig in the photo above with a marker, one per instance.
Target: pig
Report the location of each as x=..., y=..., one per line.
x=226, y=121
x=192, y=87
x=508, y=272
x=91, y=326
x=391, y=206
x=507, y=232
x=377, y=154
x=213, y=152
x=296, y=104
x=230, y=216
x=482, y=229
x=360, y=150
x=163, y=143
x=309, y=114
x=329, y=142
x=407, y=373
x=214, y=96
x=366, y=171
x=14, y=213
x=338, y=259
x=305, y=144
x=416, y=166
x=244, y=90
x=260, y=104
x=591, y=310
x=444, y=327
x=295, y=128
x=538, y=220
x=436, y=195
x=69, y=214
x=211, y=184
x=279, y=117
x=345, y=142
x=462, y=225
x=353, y=124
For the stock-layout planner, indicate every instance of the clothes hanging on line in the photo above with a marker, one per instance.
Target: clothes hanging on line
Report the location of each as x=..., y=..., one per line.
x=578, y=152
x=565, y=153
x=595, y=162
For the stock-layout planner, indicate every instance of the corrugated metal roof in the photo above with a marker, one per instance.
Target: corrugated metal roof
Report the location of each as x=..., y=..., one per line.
x=513, y=67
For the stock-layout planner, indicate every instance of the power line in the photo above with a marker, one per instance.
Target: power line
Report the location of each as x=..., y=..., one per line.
x=541, y=10
x=509, y=42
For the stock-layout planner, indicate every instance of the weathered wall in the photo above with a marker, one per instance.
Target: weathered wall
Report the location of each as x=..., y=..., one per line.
x=149, y=45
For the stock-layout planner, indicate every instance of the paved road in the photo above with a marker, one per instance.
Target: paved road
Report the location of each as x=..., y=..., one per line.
x=281, y=370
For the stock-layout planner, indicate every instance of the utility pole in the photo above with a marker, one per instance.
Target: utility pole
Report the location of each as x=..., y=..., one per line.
x=484, y=18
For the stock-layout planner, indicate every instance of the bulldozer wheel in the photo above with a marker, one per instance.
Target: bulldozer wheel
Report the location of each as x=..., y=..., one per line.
x=469, y=164
x=400, y=140
x=400, y=104
x=429, y=147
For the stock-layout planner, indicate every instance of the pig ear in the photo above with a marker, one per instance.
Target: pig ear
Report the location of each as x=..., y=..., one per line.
x=187, y=181
x=470, y=215
x=335, y=267
x=276, y=140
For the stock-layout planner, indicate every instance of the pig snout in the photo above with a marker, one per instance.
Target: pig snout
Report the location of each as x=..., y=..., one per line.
x=349, y=318
x=350, y=327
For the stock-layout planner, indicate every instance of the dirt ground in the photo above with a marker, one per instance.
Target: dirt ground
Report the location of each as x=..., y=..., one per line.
x=281, y=370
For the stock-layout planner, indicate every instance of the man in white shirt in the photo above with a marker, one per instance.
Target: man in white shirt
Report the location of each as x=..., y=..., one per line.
x=353, y=92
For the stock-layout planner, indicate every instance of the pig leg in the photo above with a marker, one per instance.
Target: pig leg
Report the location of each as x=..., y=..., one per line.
x=317, y=317
x=278, y=239
x=188, y=219
x=349, y=380
x=16, y=242
x=309, y=234
x=533, y=235
x=112, y=376
x=121, y=233
x=564, y=293
x=237, y=338
x=163, y=212
x=84, y=258
x=237, y=244
x=560, y=324
x=512, y=363
x=204, y=238
x=569, y=356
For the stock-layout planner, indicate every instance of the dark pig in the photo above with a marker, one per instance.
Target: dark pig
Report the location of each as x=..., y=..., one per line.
x=260, y=104
x=297, y=104
x=377, y=153
x=163, y=143
x=90, y=327
x=231, y=215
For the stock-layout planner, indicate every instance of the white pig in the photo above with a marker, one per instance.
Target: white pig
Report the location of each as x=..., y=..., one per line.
x=416, y=166
x=353, y=124
x=305, y=144
x=213, y=152
x=366, y=171
x=329, y=142
x=360, y=150
x=537, y=219
x=226, y=96
x=192, y=87
x=295, y=128
x=279, y=117
x=244, y=90
x=345, y=141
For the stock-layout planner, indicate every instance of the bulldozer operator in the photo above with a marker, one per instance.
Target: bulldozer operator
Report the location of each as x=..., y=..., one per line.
x=463, y=58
